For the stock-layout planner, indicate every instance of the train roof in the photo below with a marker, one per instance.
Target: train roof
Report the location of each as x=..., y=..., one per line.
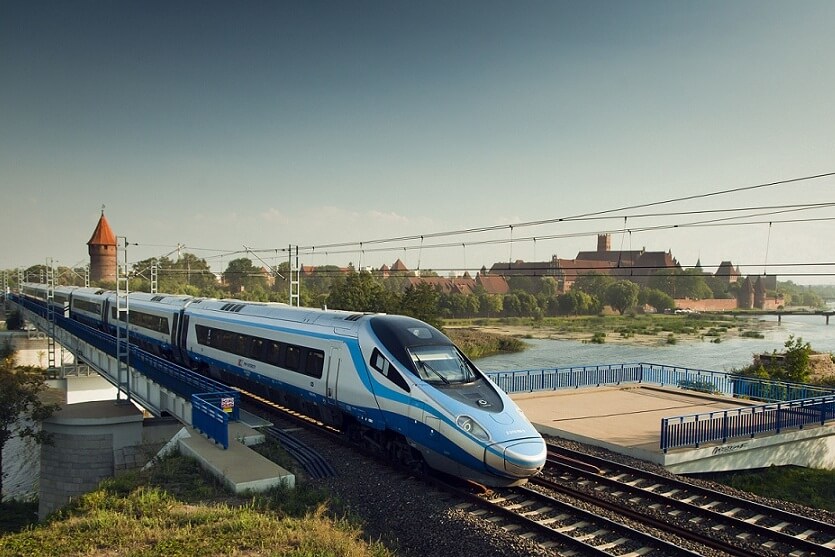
x=178, y=300
x=283, y=312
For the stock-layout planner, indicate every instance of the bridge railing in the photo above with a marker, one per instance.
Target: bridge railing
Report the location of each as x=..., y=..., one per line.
x=551, y=379
x=728, y=425
x=775, y=391
x=216, y=403
x=796, y=405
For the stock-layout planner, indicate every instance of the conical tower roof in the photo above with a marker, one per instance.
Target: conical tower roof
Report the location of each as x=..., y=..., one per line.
x=103, y=235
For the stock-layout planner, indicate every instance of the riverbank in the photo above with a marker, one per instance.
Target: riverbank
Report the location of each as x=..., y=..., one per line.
x=638, y=330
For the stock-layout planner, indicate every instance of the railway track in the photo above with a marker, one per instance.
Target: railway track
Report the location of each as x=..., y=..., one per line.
x=561, y=527
x=705, y=518
x=731, y=524
x=288, y=422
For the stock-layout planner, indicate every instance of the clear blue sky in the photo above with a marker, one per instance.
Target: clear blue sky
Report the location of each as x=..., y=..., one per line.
x=218, y=125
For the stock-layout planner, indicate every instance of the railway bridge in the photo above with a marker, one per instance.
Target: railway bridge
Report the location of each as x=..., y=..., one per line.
x=215, y=430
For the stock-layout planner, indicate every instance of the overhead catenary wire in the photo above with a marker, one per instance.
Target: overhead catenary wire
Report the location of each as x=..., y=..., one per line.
x=582, y=216
x=733, y=219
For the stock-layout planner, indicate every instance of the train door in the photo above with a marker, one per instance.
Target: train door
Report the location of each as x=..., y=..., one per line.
x=174, y=330
x=181, y=352
x=332, y=379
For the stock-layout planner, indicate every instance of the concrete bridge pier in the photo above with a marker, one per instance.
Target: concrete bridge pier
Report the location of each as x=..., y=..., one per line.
x=91, y=441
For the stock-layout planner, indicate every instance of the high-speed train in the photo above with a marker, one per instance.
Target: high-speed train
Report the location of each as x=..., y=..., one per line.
x=392, y=383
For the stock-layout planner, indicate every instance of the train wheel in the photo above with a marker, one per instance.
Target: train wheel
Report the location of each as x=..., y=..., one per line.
x=402, y=454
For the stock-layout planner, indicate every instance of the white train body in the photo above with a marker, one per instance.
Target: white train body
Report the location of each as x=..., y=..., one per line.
x=391, y=382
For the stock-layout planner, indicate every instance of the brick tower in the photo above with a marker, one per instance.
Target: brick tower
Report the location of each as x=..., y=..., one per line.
x=604, y=242
x=102, y=249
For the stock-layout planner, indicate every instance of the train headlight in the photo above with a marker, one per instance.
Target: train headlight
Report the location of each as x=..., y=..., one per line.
x=471, y=426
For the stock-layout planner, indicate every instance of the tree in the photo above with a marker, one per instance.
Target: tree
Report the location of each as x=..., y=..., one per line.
x=796, y=361
x=678, y=283
x=511, y=305
x=490, y=304
x=528, y=305
x=360, y=292
x=421, y=302
x=657, y=299
x=622, y=295
x=594, y=284
x=21, y=409
x=319, y=281
x=241, y=275
x=576, y=302
x=174, y=277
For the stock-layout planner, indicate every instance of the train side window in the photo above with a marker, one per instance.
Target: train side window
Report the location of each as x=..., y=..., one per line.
x=242, y=343
x=273, y=355
x=315, y=363
x=381, y=364
x=292, y=357
x=224, y=341
x=256, y=348
x=202, y=334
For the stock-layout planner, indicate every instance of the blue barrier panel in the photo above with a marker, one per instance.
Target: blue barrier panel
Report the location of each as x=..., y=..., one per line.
x=210, y=419
x=695, y=429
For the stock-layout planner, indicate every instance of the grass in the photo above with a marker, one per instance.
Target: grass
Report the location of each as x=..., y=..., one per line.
x=177, y=510
x=598, y=338
x=805, y=486
x=478, y=344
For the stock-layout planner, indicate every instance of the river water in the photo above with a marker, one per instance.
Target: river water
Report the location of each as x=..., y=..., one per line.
x=728, y=355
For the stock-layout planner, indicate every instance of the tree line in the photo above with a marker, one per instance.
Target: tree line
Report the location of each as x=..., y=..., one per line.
x=353, y=290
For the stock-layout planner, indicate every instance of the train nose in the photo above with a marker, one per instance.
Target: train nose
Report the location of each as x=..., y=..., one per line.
x=524, y=457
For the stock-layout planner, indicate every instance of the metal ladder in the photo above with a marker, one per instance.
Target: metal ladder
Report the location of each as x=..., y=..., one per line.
x=295, y=276
x=122, y=320
x=51, y=368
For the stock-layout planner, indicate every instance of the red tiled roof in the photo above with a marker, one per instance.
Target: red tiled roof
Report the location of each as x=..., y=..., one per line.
x=493, y=284
x=572, y=268
x=103, y=235
x=446, y=285
x=399, y=266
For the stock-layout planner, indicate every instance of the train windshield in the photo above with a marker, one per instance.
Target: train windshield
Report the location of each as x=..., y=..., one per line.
x=441, y=364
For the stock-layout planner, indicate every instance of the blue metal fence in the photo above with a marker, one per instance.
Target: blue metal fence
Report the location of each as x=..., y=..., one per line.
x=551, y=379
x=796, y=405
x=727, y=425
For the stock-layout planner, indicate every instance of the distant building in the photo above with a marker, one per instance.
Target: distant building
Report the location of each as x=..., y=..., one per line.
x=635, y=265
x=727, y=273
x=102, y=250
x=452, y=285
x=745, y=297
